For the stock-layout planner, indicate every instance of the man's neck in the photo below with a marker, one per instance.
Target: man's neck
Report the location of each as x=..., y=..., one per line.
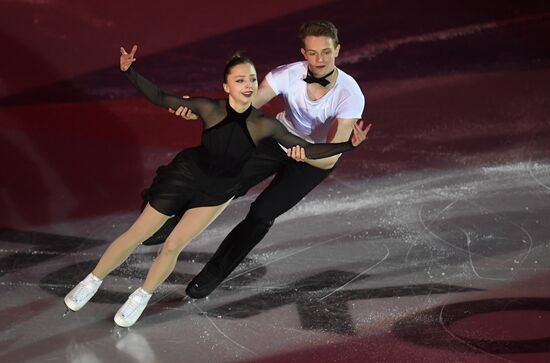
x=329, y=75
x=316, y=91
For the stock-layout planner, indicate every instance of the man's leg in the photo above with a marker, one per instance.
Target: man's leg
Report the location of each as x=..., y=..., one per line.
x=288, y=187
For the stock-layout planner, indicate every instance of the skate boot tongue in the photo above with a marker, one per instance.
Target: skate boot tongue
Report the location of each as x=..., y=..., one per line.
x=132, y=309
x=82, y=293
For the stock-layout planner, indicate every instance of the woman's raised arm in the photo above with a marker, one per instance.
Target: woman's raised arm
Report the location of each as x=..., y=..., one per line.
x=199, y=105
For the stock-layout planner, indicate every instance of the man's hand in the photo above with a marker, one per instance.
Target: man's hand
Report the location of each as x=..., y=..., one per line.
x=184, y=112
x=297, y=153
x=126, y=59
x=359, y=134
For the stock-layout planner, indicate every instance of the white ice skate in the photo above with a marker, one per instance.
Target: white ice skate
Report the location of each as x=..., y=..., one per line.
x=130, y=312
x=82, y=293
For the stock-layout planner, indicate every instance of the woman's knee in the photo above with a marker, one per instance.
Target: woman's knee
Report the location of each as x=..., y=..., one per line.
x=173, y=246
x=134, y=237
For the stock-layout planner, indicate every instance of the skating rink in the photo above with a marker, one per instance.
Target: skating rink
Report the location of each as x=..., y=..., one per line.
x=429, y=243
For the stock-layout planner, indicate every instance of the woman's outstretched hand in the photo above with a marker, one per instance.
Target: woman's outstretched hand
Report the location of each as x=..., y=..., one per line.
x=359, y=134
x=357, y=137
x=126, y=59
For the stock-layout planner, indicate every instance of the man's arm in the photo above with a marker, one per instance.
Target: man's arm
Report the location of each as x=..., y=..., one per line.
x=340, y=131
x=264, y=95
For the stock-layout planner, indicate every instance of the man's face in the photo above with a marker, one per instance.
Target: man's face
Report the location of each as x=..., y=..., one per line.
x=320, y=54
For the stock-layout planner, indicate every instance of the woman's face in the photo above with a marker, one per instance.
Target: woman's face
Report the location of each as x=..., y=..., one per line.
x=242, y=83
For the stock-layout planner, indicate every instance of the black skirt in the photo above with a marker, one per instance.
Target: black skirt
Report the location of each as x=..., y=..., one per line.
x=183, y=184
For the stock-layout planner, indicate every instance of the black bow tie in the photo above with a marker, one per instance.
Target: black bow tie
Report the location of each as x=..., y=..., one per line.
x=321, y=80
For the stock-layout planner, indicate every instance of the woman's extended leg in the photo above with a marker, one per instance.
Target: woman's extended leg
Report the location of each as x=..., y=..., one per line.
x=193, y=222
x=118, y=251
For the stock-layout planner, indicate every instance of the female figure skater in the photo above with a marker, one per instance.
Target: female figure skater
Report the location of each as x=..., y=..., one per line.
x=200, y=181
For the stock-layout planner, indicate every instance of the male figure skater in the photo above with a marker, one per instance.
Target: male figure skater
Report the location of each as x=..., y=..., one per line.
x=321, y=104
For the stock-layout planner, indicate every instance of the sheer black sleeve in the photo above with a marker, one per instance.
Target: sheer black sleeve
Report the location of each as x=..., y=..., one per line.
x=270, y=127
x=201, y=106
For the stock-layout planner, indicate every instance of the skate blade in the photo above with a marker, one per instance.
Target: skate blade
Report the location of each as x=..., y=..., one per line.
x=119, y=331
x=67, y=311
x=187, y=299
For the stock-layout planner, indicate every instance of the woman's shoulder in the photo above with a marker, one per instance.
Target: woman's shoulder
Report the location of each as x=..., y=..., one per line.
x=259, y=118
x=256, y=115
x=218, y=102
x=209, y=106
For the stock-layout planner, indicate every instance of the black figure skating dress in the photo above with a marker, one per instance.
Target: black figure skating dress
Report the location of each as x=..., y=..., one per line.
x=209, y=174
x=206, y=175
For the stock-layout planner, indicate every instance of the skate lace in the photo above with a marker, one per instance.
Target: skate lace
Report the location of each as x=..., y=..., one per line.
x=82, y=291
x=133, y=303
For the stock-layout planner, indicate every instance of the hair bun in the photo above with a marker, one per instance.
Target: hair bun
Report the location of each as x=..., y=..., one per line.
x=236, y=59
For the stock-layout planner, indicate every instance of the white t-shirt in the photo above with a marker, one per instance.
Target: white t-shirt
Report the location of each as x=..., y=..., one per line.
x=309, y=119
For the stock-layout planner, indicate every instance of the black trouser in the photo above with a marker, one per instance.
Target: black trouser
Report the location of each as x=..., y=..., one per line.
x=293, y=180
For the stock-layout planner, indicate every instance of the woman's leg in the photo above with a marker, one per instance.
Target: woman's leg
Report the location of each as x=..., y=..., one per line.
x=118, y=251
x=193, y=222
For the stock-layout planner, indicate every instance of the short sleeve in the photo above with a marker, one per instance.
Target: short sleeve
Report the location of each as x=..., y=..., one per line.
x=278, y=79
x=351, y=106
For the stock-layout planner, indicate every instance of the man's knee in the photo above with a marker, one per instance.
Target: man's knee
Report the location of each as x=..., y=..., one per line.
x=260, y=216
x=270, y=205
